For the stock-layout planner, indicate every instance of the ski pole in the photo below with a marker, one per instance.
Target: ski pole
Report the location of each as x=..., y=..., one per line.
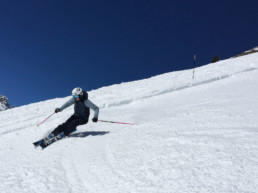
x=116, y=122
x=45, y=119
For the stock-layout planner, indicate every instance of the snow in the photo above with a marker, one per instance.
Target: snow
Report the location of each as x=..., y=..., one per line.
x=2, y=107
x=191, y=136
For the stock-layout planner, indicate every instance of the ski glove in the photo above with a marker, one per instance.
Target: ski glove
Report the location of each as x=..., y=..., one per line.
x=57, y=110
x=95, y=120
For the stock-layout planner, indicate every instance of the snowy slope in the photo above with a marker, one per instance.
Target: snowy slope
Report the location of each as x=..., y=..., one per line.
x=192, y=136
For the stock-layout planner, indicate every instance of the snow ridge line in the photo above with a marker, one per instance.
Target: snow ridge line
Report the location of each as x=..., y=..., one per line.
x=11, y=123
x=17, y=126
x=173, y=89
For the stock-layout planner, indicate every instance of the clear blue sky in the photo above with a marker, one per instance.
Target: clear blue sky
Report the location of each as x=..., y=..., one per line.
x=49, y=47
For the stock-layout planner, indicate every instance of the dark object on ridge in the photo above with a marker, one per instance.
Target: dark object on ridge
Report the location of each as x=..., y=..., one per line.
x=215, y=59
x=4, y=104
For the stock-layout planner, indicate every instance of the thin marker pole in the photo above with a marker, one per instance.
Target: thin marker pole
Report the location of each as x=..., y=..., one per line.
x=194, y=65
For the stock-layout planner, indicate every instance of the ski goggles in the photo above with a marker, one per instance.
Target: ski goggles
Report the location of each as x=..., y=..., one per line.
x=75, y=96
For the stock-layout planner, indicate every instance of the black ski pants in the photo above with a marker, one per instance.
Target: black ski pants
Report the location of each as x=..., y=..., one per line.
x=69, y=126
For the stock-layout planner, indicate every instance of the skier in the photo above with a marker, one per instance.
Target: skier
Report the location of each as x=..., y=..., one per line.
x=81, y=112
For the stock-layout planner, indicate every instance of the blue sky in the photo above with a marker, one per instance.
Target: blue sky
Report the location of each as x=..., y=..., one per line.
x=49, y=47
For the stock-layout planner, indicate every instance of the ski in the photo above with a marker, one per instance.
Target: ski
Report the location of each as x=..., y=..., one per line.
x=50, y=139
x=37, y=143
x=43, y=143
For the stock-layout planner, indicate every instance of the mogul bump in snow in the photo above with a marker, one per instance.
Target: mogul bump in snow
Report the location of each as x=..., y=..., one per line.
x=81, y=114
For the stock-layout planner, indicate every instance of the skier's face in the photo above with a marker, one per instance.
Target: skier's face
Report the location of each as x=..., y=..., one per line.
x=76, y=97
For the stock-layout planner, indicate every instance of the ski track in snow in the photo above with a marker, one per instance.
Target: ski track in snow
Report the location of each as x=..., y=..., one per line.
x=199, y=139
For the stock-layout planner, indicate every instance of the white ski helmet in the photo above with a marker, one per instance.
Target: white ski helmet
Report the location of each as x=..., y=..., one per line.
x=77, y=91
